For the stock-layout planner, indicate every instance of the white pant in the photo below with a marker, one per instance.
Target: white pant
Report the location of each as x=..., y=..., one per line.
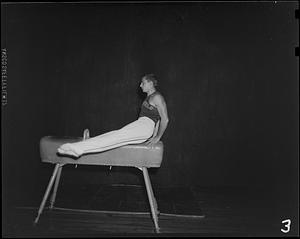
x=133, y=133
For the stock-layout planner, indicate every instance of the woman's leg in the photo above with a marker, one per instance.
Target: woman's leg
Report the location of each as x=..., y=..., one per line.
x=136, y=132
x=119, y=145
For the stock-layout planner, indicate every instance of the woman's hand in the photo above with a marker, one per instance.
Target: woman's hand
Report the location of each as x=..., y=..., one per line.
x=152, y=141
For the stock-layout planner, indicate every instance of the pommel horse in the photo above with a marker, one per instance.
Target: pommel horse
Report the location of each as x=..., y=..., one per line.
x=140, y=156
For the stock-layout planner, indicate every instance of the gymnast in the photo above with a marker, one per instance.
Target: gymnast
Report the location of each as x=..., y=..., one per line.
x=149, y=127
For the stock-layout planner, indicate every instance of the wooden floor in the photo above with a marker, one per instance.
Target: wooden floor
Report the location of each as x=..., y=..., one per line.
x=120, y=210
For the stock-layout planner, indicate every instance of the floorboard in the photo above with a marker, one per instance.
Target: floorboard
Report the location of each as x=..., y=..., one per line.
x=96, y=211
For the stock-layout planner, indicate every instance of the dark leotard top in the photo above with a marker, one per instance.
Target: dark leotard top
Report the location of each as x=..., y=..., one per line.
x=149, y=110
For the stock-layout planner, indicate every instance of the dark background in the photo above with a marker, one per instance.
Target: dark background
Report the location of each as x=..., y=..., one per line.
x=228, y=72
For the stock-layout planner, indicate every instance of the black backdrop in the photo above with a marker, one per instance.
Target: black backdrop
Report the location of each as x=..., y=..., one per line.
x=228, y=72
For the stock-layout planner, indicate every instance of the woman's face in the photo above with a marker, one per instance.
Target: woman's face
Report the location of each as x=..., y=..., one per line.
x=145, y=85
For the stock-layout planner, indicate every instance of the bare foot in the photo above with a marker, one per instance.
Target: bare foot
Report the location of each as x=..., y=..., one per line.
x=67, y=149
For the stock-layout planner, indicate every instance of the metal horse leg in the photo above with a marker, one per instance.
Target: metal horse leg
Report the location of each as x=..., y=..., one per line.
x=152, y=201
x=53, y=196
x=47, y=193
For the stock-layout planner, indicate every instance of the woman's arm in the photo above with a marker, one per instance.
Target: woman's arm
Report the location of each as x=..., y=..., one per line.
x=161, y=106
x=156, y=129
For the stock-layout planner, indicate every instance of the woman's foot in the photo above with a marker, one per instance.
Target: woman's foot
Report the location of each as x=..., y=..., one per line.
x=67, y=149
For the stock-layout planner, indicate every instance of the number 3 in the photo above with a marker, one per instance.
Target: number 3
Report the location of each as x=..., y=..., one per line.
x=288, y=225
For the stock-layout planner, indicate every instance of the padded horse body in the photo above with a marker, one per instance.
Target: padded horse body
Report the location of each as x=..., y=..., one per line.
x=135, y=155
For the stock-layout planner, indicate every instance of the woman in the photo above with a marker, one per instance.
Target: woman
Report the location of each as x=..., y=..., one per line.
x=150, y=125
